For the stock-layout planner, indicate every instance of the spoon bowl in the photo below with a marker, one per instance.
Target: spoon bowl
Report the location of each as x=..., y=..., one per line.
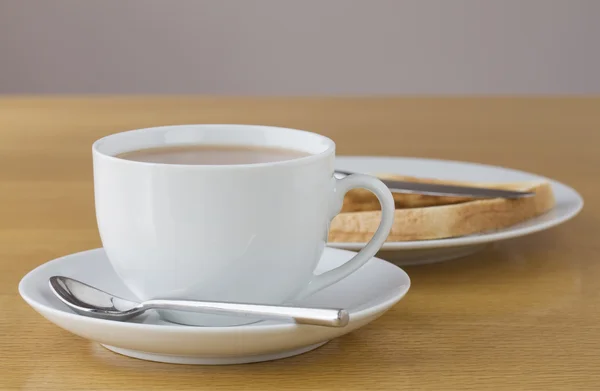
x=89, y=301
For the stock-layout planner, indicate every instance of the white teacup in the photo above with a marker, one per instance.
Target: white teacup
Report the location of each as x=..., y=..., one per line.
x=249, y=233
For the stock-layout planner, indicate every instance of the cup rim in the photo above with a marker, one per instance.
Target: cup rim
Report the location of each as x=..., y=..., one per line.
x=330, y=148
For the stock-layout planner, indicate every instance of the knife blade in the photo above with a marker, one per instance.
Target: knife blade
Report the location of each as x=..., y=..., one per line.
x=434, y=189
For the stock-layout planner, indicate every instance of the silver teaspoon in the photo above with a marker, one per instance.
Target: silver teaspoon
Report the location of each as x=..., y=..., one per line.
x=89, y=301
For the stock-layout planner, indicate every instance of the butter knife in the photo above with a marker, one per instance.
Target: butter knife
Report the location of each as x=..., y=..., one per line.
x=433, y=189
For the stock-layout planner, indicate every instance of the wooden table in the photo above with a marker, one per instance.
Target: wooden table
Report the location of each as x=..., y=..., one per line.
x=524, y=314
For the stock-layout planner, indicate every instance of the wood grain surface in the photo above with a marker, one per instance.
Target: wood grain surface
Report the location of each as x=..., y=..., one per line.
x=522, y=315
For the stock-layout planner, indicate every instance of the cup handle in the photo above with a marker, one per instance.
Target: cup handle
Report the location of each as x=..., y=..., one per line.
x=386, y=200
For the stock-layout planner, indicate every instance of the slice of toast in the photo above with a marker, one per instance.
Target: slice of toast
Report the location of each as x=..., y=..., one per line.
x=428, y=217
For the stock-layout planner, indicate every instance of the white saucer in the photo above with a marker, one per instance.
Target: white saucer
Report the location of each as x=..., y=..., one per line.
x=367, y=294
x=568, y=204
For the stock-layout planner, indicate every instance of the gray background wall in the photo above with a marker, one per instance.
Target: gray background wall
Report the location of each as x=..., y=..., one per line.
x=300, y=47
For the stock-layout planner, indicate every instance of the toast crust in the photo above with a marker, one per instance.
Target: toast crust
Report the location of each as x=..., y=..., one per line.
x=464, y=217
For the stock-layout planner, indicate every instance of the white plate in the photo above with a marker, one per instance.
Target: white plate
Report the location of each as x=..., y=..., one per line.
x=366, y=294
x=568, y=204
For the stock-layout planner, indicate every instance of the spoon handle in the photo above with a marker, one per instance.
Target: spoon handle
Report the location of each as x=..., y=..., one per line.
x=315, y=316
